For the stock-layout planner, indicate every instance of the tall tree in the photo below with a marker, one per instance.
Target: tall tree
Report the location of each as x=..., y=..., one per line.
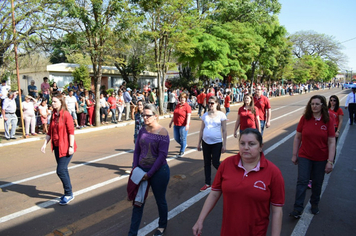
x=93, y=21
x=29, y=23
x=314, y=44
x=166, y=24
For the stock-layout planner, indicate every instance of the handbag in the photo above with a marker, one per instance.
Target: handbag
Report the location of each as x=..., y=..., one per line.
x=80, y=109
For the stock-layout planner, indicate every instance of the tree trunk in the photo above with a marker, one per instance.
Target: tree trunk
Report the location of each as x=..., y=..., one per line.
x=253, y=68
x=97, y=81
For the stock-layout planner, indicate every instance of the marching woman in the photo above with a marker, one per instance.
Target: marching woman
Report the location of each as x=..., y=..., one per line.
x=212, y=138
x=251, y=186
x=248, y=116
x=61, y=132
x=181, y=119
x=151, y=150
x=313, y=152
x=338, y=114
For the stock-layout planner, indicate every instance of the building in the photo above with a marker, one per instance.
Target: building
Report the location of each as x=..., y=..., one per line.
x=62, y=74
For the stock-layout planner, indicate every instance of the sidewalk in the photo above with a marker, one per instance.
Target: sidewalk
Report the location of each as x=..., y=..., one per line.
x=20, y=138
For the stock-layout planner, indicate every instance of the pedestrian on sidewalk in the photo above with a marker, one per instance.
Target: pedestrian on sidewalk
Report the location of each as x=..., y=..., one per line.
x=151, y=150
x=9, y=113
x=251, y=186
x=139, y=121
x=212, y=138
x=91, y=107
x=181, y=120
x=61, y=135
x=313, y=152
x=227, y=103
x=29, y=116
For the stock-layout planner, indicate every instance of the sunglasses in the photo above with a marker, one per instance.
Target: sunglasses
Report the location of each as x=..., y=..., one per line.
x=332, y=100
x=147, y=116
x=211, y=103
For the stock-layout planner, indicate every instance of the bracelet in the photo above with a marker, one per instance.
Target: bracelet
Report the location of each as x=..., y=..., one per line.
x=330, y=162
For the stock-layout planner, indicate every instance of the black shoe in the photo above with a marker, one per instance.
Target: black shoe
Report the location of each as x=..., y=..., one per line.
x=296, y=214
x=180, y=154
x=158, y=232
x=314, y=209
x=13, y=138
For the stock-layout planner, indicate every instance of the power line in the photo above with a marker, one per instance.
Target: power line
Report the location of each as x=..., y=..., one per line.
x=348, y=40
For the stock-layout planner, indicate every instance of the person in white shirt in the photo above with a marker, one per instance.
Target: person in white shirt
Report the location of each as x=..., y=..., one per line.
x=350, y=104
x=4, y=89
x=9, y=114
x=72, y=106
x=212, y=138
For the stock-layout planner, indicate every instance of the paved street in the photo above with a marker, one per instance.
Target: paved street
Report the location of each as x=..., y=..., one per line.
x=99, y=170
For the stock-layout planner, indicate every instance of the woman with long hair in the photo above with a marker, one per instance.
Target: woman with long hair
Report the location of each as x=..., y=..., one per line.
x=181, y=119
x=43, y=110
x=248, y=116
x=139, y=121
x=120, y=104
x=61, y=135
x=313, y=152
x=212, y=138
x=90, y=108
x=151, y=150
x=29, y=116
x=337, y=113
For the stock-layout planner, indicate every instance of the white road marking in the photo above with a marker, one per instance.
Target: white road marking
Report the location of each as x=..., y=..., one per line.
x=172, y=213
x=56, y=200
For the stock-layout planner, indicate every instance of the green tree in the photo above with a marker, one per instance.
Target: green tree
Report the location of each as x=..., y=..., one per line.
x=93, y=21
x=81, y=74
x=166, y=24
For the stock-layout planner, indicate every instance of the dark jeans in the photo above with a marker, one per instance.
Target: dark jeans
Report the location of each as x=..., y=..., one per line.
x=352, y=112
x=309, y=170
x=62, y=171
x=82, y=118
x=103, y=111
x=180, y=135
x=211, y=153
x=159, y=182
x=200, y=108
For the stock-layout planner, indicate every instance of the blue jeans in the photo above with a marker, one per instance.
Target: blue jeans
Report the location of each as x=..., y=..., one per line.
x=309, y=170
x=180, y=135
x=227, y=110
x=113, y=117
x=159, y=182
x=62, y=171
x=46, y=96
x=262, y=122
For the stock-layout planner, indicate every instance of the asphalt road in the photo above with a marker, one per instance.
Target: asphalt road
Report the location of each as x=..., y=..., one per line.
x=99, y=170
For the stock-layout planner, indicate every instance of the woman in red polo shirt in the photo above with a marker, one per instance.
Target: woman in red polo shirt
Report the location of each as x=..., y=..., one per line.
x=338, y=114
x=247, y=116
x=313, y=152
x=61, y=132
x=251, y=187
x=181, y=119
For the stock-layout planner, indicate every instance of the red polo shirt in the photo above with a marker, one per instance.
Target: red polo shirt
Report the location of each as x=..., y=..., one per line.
x=263, y=104
x=315, y=134
x=247, y=118
x=201, y=98
x=208, y=96
x=180, y=114
x=336, y=116
x=227, y=101
x=247, y=197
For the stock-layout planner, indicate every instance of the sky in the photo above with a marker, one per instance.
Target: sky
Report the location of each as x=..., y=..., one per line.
x=335, y=18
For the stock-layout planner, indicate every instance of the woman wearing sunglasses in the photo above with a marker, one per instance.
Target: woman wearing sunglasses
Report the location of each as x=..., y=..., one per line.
x=151, y=150
x=212, y=138
x=337, y=113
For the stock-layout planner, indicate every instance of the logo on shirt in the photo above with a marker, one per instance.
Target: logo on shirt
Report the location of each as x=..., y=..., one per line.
x=259, y=184
x=323, y=127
